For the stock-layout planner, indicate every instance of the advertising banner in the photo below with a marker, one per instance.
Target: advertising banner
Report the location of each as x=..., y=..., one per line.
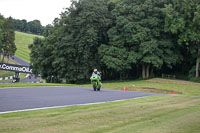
x=15, y=68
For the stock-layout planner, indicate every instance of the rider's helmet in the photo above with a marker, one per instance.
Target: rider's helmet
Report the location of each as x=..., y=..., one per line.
x=95, y=71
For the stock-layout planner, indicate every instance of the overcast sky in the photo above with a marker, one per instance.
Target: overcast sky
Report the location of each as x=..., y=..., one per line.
x=43, y=10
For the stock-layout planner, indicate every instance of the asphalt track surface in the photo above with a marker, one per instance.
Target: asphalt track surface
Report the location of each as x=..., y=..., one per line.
x=20, y=61
x=26, y=98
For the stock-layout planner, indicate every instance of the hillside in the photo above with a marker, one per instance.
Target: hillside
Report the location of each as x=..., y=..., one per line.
x=22, y=40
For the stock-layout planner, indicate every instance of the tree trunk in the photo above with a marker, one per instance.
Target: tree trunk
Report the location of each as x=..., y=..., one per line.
x=127, y=75
x=197, y=68
x=197, y=64
x=3, y=58
x=151, y=73
x=120, y=76
x=143, y=72
x=8, y=59
x=147, y=71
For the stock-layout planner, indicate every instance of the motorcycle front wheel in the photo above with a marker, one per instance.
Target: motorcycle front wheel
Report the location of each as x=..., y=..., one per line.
x=94, y=86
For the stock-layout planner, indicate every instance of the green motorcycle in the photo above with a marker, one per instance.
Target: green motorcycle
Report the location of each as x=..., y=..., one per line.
x=96, y=83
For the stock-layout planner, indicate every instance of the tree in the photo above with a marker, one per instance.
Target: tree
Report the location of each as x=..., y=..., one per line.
x=183, y=19
x=35, y=27
x=42, y=57
x=18, y=24
x=137, y=36
x=7, y=37
x=25, y=27
x=84, y=30
x=1, y=31
x=72, y=42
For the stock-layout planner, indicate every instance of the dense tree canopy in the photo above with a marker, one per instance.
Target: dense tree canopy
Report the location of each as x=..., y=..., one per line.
x=183, y=19
x=7, y=38
x=33, y=27
x=76, y=38
x=123, y=39
x=137, y=35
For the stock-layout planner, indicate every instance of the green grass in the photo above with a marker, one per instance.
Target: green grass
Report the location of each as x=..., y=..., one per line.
x=22, y=41
x=195, y=80
x=6, y=73
x=33, y=84
x=156, y=114
x=21, y=76
x=152, y=85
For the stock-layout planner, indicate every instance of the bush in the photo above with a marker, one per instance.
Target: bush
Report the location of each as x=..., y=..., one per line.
x=192, y=72
x=195, y=79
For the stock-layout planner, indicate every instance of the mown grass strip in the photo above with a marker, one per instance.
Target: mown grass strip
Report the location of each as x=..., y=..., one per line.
x=186, y=96
x=32, y=84
x=156, y=114
x=22, y=41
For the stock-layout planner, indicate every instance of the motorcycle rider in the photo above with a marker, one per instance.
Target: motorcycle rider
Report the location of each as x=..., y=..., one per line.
x=95, y=72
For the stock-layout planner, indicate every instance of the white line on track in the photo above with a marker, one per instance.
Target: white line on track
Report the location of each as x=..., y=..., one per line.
x=69, y=105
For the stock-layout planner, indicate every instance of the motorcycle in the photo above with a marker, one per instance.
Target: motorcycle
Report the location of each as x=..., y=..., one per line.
x=96, y=83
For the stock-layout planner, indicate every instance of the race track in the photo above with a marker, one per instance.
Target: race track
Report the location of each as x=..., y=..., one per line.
x=25, y=98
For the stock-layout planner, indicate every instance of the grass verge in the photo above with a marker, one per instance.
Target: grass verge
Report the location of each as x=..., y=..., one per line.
x=22, y=75
x=156, y=85
x=156, y=114
x=33, y=84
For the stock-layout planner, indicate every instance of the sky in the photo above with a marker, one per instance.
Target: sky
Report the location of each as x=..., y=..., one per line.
x=44, y=10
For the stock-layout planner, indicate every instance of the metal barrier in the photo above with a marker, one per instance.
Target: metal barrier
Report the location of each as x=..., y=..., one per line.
x=168, y=76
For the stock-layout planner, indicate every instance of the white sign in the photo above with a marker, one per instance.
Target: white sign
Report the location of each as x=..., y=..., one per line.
x=15, y=68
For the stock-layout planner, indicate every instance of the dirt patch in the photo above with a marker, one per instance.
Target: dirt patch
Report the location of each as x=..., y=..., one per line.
x=153, y=90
